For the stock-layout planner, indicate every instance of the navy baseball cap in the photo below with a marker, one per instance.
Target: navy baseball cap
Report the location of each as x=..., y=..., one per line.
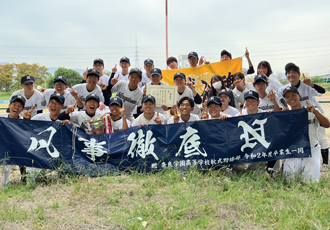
x=260, y=77
x=179, y=74
x=58, y=97
x=136, y=70
x=225, y=92
x=290, y=89
x=170, y=59
x=124, y=59
x=156, y=71
x=215, y=100
x=225, y=52
x=148, y=61
x=149, y=97
x=92, y=97
x=251, y=94
x=93, y=72
x=193, y=54
x=27, y=79
x=291, y=66
x=98, y=60
x=60, y=78
x=116, y=101
x=17, y=98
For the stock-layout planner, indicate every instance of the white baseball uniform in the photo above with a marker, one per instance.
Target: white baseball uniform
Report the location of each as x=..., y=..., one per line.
x=142, y=120
x=69, y=100
x=193, y=117
x=83, y=92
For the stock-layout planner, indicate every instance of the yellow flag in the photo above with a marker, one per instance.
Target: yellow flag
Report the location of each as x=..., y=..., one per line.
x=201, y=76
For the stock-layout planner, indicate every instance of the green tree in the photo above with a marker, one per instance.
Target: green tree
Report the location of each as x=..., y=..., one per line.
x=7, y=72
x=73, y=77
x=317, y=79
x=40, y=73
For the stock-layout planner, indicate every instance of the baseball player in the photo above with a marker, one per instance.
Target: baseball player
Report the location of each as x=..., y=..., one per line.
x=149, y=116
x=16, y=106
x=98, y=64
x=213, y=109
x=307, y=91
x=185, y=91
x=55, y=105
x=156, y=77
x=60, y=85
x=241, y=87
x=128, y=91
x=118, y=116
x=33, y=98
x=172, y=62
x=308, y=167
x=186, y=106
x=225, y=56
x=225, y=98
x=267, y=101
x=124, y=63
x=78, y=118
x=148, y=66
x=91, y=87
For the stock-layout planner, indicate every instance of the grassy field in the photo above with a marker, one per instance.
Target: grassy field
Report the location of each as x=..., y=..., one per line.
x=167, y=200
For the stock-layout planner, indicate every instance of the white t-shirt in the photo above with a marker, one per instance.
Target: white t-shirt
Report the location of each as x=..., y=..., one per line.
x=274, y=83
x=313, y=127
x=121, y=76
x=37, y=99
x=69, y=100
x=142, y=120
x=118, y=125
x=267, y=105
x=188, y=93
x=77, y=118
x=105, y=79
x=42, y=117
x=145, y=79
x=193, y=117
x=230, y=111
x=83, y=92
x=131, y=98
x=239, y=96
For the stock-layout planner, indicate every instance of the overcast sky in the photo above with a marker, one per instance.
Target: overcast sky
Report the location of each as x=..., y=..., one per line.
x=73, y=33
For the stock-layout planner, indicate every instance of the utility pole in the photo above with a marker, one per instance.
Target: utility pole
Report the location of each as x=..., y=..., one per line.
x=166, y=32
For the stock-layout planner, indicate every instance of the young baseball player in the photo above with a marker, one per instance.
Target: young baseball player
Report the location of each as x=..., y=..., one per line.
x=172, y=62
x=124, y=63
x=241, y=87
x=149, y=116
x=185, y=91
x=226, y=109
x=225, y=56
x=308, y=91
x=213, y=109
x=186, y=106
x=128, y=91
x=55, y=105
x=16, y=106
x=270, y=101
x=60, y=85
x=308, y=167
x=118, y=116
x=148, y=66
x=98, y=64
x=156, y=77
x=33, y=98
x=78, y=118
x=91, y=87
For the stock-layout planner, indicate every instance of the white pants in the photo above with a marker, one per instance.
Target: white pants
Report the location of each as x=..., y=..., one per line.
x=321, y=132
x=5, y=174
x=308, y=167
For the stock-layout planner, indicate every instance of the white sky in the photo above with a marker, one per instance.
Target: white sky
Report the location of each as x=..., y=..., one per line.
x=73, y=33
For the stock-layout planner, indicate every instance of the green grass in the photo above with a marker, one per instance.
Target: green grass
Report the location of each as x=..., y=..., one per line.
x=5, y=95
x=167, y=200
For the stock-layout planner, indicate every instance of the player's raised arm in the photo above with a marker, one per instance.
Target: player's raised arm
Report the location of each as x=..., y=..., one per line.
x=74, y=94
x=28, y=114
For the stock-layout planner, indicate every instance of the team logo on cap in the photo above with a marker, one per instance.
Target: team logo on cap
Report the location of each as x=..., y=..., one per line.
x=28, y=77
x=93, y=95
x=149, y=96
x=124, y=57
x=288, y=87
x=250, y=92
x=93, y=71
x=212, y=98
x=191, y=52
x=155, y=70
x=60, y=77
x=148, y=59
x=115, y=99
x=58, y=94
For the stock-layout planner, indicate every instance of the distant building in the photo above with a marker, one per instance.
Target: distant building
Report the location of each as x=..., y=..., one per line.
x=326, y=77
x=183, y=61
